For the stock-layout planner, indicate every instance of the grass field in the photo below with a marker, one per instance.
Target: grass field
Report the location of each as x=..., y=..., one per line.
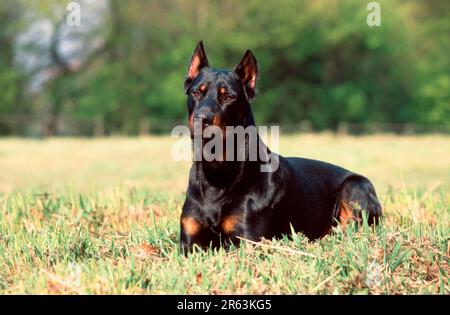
x=101, y=216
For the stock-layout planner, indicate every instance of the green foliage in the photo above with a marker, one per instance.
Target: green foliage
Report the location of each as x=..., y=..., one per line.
x=319, y=61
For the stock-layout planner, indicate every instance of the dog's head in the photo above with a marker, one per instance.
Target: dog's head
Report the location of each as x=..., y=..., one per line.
x=220, y=97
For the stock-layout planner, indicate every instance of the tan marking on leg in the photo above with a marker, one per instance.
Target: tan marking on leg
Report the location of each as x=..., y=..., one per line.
x=345, y=213
x=229, y=223
x=191, y=226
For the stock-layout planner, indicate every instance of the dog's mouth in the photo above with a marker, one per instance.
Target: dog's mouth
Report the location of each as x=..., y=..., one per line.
x=204, y=125
x=198, y=130
x=199, y=126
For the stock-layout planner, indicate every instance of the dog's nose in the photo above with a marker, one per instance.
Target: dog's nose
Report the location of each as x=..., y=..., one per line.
x=204, y=118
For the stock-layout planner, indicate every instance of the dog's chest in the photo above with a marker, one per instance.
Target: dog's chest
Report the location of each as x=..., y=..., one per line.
x=226, y=218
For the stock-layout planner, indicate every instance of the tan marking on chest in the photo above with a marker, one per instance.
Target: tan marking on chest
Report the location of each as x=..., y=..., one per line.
x=191, y=226
x=230, y=223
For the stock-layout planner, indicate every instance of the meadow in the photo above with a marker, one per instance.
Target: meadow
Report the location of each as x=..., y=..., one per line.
x=101, y=216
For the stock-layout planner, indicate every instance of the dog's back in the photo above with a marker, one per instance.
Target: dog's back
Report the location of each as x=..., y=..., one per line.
x=315, y=189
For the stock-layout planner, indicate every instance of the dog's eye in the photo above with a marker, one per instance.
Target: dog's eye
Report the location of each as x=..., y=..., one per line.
x=196, y=93
x=229, y=98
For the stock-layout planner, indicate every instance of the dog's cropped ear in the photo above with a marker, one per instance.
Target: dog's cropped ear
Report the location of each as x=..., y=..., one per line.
x=198, y=62
x=247, y=71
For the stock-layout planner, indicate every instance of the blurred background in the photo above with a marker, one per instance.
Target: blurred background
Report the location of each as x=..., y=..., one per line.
x=321, y=66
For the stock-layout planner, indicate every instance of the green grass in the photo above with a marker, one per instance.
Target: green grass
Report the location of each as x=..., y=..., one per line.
x=101, y=216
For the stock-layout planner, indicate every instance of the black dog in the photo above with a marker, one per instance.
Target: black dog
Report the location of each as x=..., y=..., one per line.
x=228, y=200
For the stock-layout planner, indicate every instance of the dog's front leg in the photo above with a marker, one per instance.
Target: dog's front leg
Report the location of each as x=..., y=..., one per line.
x=258, y=226
x=238, y=228
x=194, y=232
